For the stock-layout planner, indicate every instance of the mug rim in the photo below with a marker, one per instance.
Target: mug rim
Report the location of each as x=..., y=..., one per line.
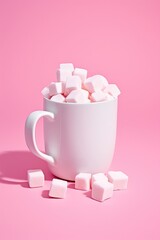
x=72, y=103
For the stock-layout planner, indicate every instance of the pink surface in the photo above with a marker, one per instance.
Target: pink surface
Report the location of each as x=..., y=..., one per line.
x=118, y=39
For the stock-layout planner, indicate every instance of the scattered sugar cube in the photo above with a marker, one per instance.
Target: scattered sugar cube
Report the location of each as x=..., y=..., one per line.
x=45, y=92
x=56, y=88
x=98, y=96
x=113, y=90
x=95, y=83
x=82, y=73
x=58, y=188
x=58, y=98
x=62, y=74
x=102, y=190
x=35, y=178
x=119, y=179
x=83, y=181
x=78, y=96
x=98, y=177
x=72, y=83
x=68, y=66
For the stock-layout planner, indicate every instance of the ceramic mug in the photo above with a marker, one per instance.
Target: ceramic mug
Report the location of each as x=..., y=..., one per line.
x=77, y=137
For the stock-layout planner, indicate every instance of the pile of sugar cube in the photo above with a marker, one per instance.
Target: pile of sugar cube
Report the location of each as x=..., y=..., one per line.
x=73, y=86
x=100, y=185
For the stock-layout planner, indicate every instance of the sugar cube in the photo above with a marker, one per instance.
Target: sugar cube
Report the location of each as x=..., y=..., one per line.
x=45, y=92
x=58, y=98
x=95, y=83
x=35, y=178
x=72, y=83
x=83, y=181
x=58, y=188
x=62, y=74
x=56, y=88
x=82, y=73
x=78, y=96
x=119, y=179
x=113, y=90
x=67, y=66
x=98, y=177
x=102, y=190
x=98, y=96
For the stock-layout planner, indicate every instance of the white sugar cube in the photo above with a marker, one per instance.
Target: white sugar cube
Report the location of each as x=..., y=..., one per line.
x=62, y=74
x=58, y=98
x=35, y=178
x=78, y=96
x=83, y=181
x=98, y=96
x=58, y=188
x=56, y=88
x=67, y=66
x=98, y=177
x=95, y=83
x=113, y=90
x=82, y=73
x=45, y=92
x=72, y=83
x=102, y=190
x=119, y=179
x=109, y=97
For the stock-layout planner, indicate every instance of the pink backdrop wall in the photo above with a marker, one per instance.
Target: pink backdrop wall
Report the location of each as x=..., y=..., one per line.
x=118, y=39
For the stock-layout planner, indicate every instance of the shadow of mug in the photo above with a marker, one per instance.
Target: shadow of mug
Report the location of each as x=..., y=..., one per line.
x=14, y=166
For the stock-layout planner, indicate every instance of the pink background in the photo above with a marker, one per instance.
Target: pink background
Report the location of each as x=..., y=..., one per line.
x=118, y=39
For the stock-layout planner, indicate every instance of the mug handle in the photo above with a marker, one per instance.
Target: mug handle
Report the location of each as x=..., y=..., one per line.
x=30, y=133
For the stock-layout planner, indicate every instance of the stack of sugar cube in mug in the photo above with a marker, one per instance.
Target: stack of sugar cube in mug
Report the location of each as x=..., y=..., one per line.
x=101, y=185
x=73, y=86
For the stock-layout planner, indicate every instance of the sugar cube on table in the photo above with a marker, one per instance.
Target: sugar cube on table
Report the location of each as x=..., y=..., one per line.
x=72, y=83
x=82, y=73
x=35, y=178
x=58, y=98
x=102, y=190
x=113, y=90
x=78, y=96
x=98, y=177
x=56, y=88
x=94, y=83
x=83, y=181
x=62, y=74
x=58, y=188
x=67, y=66
x=119, y=179
x=98, y=96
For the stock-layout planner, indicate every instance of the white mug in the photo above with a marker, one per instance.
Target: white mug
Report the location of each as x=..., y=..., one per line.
x=78, y=137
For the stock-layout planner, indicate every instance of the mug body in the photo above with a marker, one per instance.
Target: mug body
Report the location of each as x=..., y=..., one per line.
x=81, y=138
